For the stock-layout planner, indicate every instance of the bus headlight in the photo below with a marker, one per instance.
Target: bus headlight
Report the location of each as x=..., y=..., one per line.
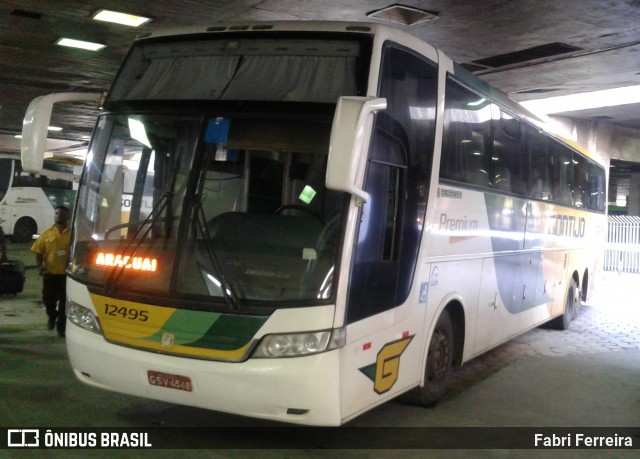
x=82, y=317
x=299, y=344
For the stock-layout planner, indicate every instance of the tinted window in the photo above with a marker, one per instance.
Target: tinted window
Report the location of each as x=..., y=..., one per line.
x=487, y=147
x=508, y=161
x=595, y=195
x=466, y=148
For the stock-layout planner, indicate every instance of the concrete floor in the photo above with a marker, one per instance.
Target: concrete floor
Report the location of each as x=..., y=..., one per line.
x=588, y=376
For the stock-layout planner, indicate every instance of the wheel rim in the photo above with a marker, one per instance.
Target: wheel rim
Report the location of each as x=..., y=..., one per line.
x=438, y=359
x=575, y=303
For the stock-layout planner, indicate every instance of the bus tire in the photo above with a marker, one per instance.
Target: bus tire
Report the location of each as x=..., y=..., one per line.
x=571, y=307
x=585, y=286
x=24, y=230
x=438, y=366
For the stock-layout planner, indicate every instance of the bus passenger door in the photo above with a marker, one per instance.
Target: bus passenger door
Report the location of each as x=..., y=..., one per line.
x=383, y=310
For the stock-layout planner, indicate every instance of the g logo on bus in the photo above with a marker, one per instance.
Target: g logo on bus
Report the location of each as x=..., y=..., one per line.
x=384, y=372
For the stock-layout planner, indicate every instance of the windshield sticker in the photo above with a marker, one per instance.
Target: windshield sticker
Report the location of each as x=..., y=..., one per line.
x=217, y=131
x=309, y=254
x=307, y=195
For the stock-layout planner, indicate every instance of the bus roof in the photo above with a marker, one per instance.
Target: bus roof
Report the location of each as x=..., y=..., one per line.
x=262, y=27
x=365, y=28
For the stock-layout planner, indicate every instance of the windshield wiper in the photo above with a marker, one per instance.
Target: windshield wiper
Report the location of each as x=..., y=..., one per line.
x=137, y=239
x=164, y=202
x=228, y=290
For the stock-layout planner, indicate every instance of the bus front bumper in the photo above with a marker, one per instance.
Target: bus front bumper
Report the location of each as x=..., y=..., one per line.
x=301, y=390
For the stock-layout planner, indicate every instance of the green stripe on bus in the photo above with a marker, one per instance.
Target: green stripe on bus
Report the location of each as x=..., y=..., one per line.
x=230, y=332
x=209, y=330
x=186, y=326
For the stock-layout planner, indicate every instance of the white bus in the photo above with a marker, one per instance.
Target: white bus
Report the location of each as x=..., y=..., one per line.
x=27, y=200
x=320, y=218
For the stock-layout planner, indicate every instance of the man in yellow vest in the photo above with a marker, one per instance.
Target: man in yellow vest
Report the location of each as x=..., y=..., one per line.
x=52, y=256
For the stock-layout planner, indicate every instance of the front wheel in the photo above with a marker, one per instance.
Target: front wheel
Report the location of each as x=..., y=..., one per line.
x=438, y=366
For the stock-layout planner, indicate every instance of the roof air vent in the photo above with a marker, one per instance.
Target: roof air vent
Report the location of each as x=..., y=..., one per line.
x=402, y=14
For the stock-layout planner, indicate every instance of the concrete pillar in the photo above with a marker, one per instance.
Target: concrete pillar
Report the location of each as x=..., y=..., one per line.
x=595, y=136
x=633, y=200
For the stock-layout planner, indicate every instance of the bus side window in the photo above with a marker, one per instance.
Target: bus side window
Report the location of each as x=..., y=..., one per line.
x=466, y=151
x=539, y=182
x=561, y=174
x=507, y=157
x=595, y=192
x=578, y=180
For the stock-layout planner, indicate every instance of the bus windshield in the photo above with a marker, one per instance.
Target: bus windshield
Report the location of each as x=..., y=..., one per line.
x=228, y=207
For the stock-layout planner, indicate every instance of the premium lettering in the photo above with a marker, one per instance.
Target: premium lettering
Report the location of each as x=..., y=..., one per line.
x=457, y=224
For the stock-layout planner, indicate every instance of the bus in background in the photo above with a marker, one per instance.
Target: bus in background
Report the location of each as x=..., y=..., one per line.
x=299, y=221
x=27, y=200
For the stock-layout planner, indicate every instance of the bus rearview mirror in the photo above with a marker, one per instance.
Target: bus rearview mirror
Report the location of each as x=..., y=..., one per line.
x=36, y=123
x=350, y=134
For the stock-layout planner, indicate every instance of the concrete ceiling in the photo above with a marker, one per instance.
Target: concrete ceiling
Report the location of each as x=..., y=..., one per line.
x=600, y=40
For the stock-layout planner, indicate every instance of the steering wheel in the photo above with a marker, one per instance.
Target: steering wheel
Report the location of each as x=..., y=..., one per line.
x=316, y=215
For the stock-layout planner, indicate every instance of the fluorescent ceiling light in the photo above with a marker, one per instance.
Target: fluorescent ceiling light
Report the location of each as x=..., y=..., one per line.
x=80, y=44
x=130, y=20
x=585, y=101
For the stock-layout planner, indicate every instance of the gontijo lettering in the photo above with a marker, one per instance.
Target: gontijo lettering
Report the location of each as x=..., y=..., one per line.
x=566, y=225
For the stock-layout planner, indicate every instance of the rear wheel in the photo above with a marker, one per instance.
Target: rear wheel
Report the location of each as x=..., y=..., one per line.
x=585, y=286
x=24, y=230
x=571, y=307
x=438, y=366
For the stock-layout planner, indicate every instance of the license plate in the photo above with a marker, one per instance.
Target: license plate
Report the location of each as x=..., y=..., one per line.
x=179, y=382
